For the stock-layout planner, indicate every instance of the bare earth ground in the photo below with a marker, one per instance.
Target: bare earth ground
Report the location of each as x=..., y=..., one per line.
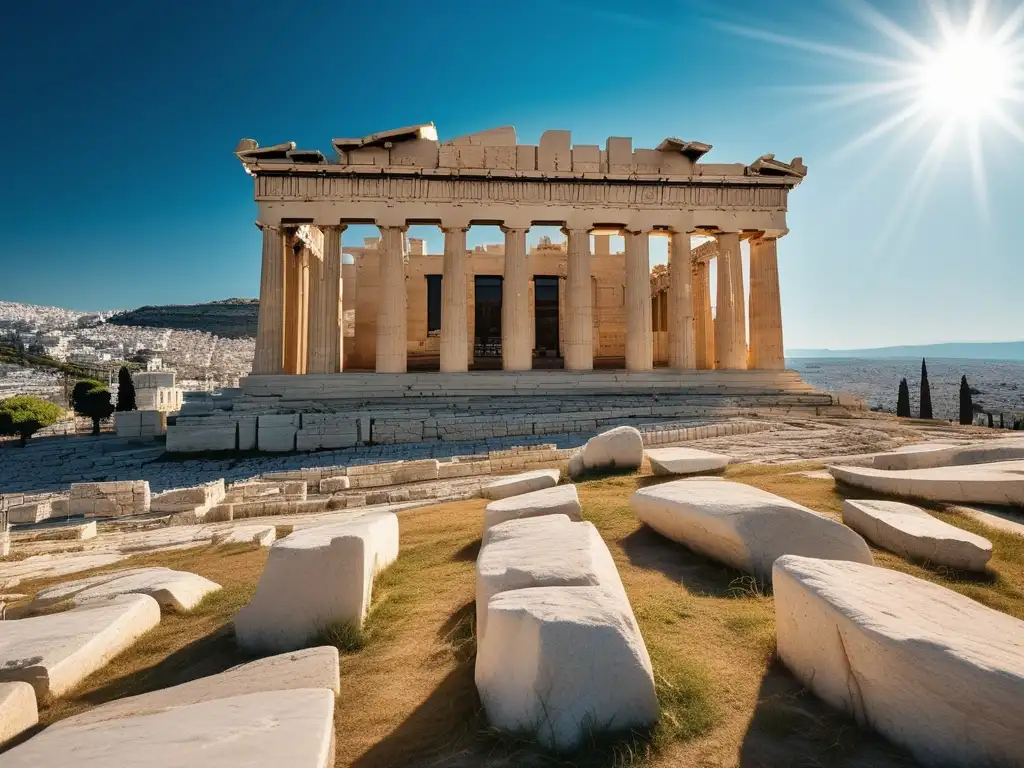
x=408, y=696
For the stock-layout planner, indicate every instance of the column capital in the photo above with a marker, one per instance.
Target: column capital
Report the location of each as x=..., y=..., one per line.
x=333, y=225
x=769, y=234
x=391, y=220
x=264, y=226
x=514, y=227
x=681, y=224
x=580, y=230
x=453, y=227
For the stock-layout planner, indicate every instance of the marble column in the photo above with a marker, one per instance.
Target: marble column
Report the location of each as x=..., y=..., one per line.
x=296, y=307
x=730, y=353
x=703, y=325
x=579, y=303
x=516, y=338
x=454, y=327
x=392, y=302
x=766, y=350
x=325, y=314
x=639, y=337
x=681, y=344
x=269, y=357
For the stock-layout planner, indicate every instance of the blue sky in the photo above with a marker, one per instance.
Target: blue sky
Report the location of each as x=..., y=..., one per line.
x=120, y=120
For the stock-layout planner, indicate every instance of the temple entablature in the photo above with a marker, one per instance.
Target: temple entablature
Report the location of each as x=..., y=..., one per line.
x=496, y=153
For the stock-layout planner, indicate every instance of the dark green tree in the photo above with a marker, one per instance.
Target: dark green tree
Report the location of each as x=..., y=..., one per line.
x=926, y=393
x=966, y=404
x=125, y=390
x=903, y=400
x=990, y=424
x=91, y=399
x=24, y=415
x=1001, y=421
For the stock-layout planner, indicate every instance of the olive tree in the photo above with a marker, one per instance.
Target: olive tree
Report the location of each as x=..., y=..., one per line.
x=24, y=415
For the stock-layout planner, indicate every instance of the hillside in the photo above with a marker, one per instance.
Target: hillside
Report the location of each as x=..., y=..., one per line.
x=999, y=350
x=230, y=318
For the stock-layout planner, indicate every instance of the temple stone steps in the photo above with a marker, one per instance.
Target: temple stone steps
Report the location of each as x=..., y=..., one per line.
x=527, y=383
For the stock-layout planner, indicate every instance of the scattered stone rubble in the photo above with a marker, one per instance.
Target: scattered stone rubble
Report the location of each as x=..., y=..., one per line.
x=930, y=669
x=341, y=560
x=912, y=533
x=547, y=587
x=743, y=526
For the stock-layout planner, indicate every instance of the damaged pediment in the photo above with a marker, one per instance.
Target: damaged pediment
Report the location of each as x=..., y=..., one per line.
x=767, y=165
x=694, y=150
x=386, y=138
x=249, y=150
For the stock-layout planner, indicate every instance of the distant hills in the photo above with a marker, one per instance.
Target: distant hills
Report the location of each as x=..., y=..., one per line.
x=230, y=318
x=998, y=350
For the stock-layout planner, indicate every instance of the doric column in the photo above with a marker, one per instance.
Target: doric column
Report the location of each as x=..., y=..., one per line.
x=516, y=339
x=454, y=328
x=269, y=357
x=765, y=306
x=730, y=352
x=325, y=314
x=703, y=325
x=681, y=350
x=639, y=352
x=579, y=303
x=296, y=305
x=392, y=302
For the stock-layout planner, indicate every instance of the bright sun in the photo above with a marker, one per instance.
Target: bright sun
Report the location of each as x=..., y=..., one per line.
x=967, y=78
x=962, y=82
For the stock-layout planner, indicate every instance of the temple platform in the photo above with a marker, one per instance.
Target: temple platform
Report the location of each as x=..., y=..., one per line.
x=371, y=387
x=321, y=412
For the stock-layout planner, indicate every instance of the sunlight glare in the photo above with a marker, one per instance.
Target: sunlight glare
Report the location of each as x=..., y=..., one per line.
x=966, y=78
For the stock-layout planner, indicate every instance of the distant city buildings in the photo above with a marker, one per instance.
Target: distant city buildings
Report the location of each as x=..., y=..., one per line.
x=195, y=360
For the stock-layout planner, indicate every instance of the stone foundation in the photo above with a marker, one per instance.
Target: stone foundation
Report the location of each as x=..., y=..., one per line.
x=320, y=412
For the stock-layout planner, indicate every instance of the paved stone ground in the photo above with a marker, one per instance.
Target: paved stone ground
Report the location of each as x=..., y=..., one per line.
x=51, y=464
x=54, y=463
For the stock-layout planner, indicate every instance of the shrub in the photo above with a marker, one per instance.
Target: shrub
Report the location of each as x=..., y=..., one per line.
x=24, y=415
x=91, y=399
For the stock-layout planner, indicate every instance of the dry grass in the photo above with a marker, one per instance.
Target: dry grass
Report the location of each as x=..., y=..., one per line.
x=183, y=646
x=408, y=696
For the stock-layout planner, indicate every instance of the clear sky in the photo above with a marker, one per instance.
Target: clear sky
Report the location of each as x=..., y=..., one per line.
x=120, y=119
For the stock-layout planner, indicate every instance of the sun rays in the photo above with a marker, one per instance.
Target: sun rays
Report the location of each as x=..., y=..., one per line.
x=956, y=84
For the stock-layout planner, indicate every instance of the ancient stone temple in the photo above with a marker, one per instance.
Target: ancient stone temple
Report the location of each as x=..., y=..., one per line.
x=575, y=304
x=386, y=343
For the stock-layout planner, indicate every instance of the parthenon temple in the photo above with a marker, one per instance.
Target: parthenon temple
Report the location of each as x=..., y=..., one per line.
x=576, y=305
x=381, y=342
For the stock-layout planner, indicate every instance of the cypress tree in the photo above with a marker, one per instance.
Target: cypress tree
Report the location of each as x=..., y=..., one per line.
x=966, y=404
x=125, y=390
x=1001, y=421
x=990, y=424
x=926, y=393
x=903, y=400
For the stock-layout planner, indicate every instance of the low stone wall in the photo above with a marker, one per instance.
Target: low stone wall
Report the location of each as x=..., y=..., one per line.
x=140, y=424
x=663, y=434
x=114, y=499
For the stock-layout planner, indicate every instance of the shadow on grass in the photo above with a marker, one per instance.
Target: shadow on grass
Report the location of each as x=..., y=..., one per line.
x=444, y=724
x=459, y=632
x=791, y=726
x=468, y=553
x=209, y=655
x=648, y=549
